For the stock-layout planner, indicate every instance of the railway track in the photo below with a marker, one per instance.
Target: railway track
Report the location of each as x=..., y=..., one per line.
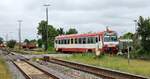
x=101, y=72
x=32, y=72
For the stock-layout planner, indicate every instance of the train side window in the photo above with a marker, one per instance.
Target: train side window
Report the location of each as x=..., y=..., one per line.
x=96, y=39
x=84, y=40
x=92, y=40
x=76, y=41
x=62, y=41
x=71, y=41
x=59, y=41
x=65, y=41
x=68, y=41
x=89, y=40
x=80, y=41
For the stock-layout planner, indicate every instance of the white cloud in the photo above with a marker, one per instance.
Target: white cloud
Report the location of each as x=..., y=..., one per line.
x=84, y=15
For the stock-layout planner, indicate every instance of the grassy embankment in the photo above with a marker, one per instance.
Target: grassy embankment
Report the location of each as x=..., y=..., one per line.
x=4, y=72
x=36, y=51
x=49, y=51
x=139, y=67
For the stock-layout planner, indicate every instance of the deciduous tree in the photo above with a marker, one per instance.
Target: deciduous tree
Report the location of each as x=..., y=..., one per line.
x=42, y=30
x=1, y=40
x=11, y=43
x=39, y=41
x=60, y=31
x=144, y=32
x=128, y=35
x=72, y=31
x=26, y=41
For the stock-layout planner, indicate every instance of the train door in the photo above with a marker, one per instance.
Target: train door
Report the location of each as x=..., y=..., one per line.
x=99, y=42
x=98, y=46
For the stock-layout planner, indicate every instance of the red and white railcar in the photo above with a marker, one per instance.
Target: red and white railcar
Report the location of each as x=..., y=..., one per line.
x=105, y=41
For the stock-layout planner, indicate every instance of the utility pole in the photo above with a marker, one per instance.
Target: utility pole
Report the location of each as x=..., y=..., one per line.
x=128, y=51
x=46, y=5
x=135, y=25
x=6, y=37
x=19, y=33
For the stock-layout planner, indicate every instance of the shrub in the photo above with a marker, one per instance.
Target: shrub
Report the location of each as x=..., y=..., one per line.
x=141, y=54
x=11, y=43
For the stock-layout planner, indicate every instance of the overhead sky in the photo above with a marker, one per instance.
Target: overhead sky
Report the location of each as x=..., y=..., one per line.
x=84, y=15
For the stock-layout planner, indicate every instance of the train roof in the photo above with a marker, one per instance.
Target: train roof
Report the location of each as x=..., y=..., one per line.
x=79, y=35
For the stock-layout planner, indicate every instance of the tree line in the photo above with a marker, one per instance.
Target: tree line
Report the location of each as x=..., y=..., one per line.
x=10, y=43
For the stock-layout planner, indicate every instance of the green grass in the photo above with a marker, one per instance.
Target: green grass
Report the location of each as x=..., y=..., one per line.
x=4, y=72
x=50, y=50
x=138, y=67
x=44, y=52
x=36, y=52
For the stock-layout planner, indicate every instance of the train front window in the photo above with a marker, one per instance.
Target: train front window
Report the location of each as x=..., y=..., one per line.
x=110, y=38
x=106, y=39
x=113, y=38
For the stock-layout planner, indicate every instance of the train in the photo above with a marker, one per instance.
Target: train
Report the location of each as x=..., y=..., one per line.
x=29, y=46
x=105, y=41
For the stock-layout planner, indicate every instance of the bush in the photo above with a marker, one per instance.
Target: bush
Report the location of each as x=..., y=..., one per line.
x=141, y=54
x=1, y=40
x=11, y=43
